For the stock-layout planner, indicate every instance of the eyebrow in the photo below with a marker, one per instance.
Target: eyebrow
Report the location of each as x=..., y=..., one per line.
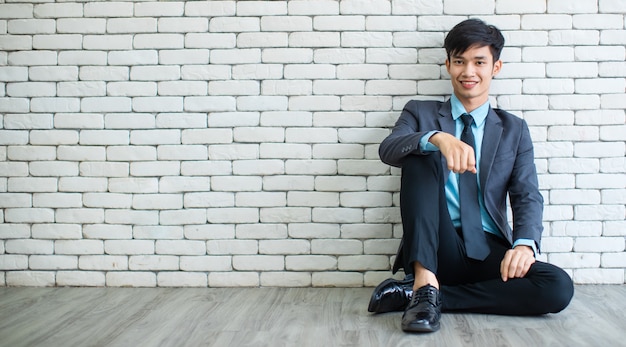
x=478, y=57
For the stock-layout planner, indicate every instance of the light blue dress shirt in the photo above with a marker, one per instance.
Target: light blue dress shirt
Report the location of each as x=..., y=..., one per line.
x=452, y=184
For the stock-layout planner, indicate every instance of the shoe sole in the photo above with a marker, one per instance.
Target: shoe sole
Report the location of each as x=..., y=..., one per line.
x=420, y=328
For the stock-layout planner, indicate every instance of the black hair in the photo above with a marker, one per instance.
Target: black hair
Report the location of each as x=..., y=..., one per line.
x=474, y=33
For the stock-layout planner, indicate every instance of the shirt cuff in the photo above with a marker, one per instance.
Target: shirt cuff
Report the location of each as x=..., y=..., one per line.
x=526, y=242
x=426, y=146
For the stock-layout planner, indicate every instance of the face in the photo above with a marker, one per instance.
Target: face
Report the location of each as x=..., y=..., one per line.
x=471, y=73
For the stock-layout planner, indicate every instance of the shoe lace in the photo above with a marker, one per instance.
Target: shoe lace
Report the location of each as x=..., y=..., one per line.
x=425, y=295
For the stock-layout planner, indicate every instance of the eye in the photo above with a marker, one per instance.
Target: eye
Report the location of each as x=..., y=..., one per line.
x=458, y=62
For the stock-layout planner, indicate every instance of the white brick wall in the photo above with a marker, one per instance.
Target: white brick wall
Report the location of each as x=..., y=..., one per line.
x=234, y=143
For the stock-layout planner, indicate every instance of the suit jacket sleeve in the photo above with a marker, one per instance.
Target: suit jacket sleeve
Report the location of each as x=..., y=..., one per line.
x=406, y=134
x=526, y=200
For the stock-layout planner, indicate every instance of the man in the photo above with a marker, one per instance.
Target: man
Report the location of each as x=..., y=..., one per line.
x=459, y=160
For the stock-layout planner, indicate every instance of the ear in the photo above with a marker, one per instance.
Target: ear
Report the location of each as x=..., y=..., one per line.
x=448, y=65
x=497, y=66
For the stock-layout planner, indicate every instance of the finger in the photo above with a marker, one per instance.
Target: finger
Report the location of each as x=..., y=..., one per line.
x=504, y=267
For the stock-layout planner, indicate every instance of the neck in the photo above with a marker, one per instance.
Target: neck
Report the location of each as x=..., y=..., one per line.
x=470, y=104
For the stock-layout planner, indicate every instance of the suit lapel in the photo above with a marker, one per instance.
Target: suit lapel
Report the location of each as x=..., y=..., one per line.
x=491, y=140
x=446, y=124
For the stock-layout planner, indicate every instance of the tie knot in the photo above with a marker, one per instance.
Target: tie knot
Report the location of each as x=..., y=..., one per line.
x=467, y=119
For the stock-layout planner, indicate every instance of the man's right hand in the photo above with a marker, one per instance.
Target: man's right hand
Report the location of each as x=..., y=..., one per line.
x=459, y=155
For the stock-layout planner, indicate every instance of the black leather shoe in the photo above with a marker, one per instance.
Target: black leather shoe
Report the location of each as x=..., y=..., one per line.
x=424, y=311
x=391, y=295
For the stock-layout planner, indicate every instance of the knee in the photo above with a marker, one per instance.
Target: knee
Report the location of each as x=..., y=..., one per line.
x=558, y=290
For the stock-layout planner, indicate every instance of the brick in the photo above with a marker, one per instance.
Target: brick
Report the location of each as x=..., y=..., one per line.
x=103, y=262
x=337, y=279
x=108, y=9
x=575, y=260
x=57, y=41
x=130, y=279
x=313, y=230
x=289, y=151
x=180, y=247
x=602, y=212
x=54, y=104
x=230, y=247
x=600, y=86
x=138, y=57
x=30, y=279
x=29, y=246
x=158, y=41
x=205, y=263
x=53, y=262
x=258, y=262
x=286, y=87
x=32, y=58
x=612, y=165
x=81, y=25
x=80, y=278
x=209, y=103
x=13, y=262
x=108, y=42
x=105, y=137
x=28, y=215
x=57, y=200
x=363, y=262
x=183, y=25
x=312, y=135
x=50, y=73
x=600, y=181
x=152, y=262
x=131, y=217
x=286, y=23
x=81, y=89
x=82, y=184
x=612, y=69
x=233, y=279
x=310, y=263
x=57, y=231
x=284, y=247
x=287, y=183
x=613, y=260
x=180, y=279
x=599, y=149
x=233, y=215
x=80, y=215
x=598, y=21
x=28, y=121
x=336, y=247
x=181, y=120
x=599, y=53
x=107, y=231
x=159, y=9
x=584, y=6
x=515, y=7
x=209, y=232
x=17, y=42
x=285, y=279
x=57, y=10
x=340, y=56
x=114, y=73
x=109, y=169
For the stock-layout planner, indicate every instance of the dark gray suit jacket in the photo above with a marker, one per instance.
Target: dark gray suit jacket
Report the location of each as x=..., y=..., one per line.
x=506, y=167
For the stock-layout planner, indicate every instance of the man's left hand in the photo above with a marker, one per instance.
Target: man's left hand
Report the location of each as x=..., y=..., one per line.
x=516, y=262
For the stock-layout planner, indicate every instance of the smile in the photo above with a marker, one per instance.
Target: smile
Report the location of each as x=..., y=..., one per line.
x=468, y=84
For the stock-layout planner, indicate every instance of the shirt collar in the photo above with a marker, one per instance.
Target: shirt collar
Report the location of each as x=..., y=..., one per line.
x=479, y=114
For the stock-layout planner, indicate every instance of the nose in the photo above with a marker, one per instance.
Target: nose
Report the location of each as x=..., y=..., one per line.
x=468, y=70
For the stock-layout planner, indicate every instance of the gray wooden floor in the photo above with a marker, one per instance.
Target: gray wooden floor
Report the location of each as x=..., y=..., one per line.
x=282, y=317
